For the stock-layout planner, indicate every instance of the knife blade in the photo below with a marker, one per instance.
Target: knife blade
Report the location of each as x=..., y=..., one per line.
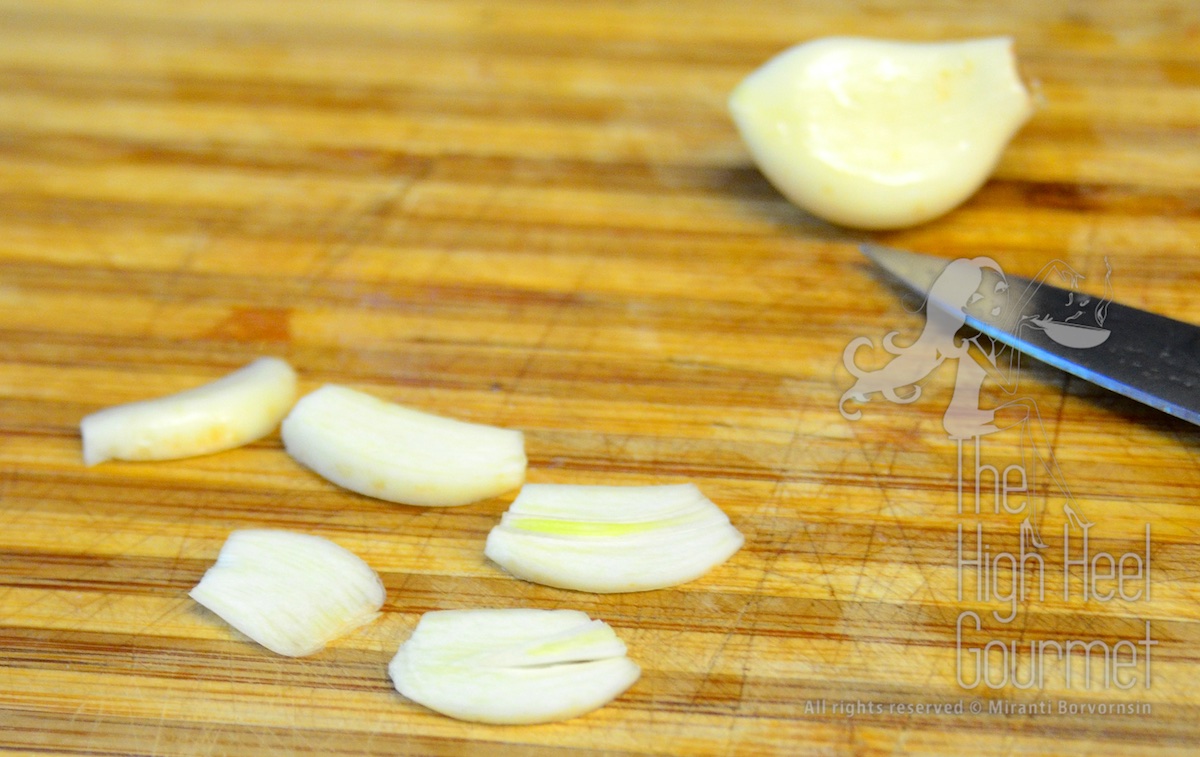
x=1144, y=356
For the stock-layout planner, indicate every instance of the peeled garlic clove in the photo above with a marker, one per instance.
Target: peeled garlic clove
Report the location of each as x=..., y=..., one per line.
x=512, y=666
x=292, y=593
x=609, y=539
x=877, y=135
x=384, y=450
x=234, y=410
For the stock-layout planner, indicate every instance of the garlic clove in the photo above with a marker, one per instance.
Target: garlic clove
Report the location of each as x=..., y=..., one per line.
x=876, y=134
x=512, y=666
x=609, y=539
x=391, y=452
x=232, y=411
x=293, y=593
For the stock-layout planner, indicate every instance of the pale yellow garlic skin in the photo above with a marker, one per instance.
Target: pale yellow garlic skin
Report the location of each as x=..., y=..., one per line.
x=512, y=666
x=876, y=134
x=293, y=593
x=234, y=410
x=612, y=539
x=391, y=452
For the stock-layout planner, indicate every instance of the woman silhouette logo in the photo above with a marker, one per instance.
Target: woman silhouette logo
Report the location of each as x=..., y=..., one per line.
x=965, y=286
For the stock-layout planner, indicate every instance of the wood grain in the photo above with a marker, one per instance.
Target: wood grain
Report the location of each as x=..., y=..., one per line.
x=538, y=215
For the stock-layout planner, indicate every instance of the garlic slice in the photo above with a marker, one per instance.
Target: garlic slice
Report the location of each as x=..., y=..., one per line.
x=609, y=539
x=293, y=593
x=513, y=666
x=234, y=410
x=384, y=450
x=876, y=134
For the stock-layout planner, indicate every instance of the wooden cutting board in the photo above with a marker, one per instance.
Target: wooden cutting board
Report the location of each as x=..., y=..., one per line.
x=538, y=215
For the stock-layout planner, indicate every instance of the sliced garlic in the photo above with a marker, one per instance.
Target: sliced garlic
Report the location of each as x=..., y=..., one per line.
x=234, y=410
x=876, y=134
x=611, y=539
x=513, y=666
x=292, y=593
x=384, y=450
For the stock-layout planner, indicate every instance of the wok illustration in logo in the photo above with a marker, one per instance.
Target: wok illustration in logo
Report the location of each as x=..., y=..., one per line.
x=1068, y=332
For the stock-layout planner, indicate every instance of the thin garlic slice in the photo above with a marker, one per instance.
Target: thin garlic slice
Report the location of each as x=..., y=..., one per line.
x=384, y=450
x=292, y=593
x=877, y=134
x=234, y=410
x=611, y=539
x=514, y=666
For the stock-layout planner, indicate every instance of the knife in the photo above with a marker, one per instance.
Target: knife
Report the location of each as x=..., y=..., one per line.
x=1146, y=357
